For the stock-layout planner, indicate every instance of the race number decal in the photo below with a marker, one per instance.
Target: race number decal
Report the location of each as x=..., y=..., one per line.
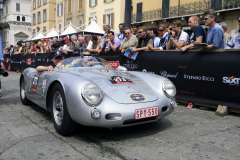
x=119, y=80
x=35, y=82
x=43, y=87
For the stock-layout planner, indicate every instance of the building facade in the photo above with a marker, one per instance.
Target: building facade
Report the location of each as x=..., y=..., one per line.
x=74, y=13
x=106, y=12
x=17, y=13
x=166, y=11
x=43, y=15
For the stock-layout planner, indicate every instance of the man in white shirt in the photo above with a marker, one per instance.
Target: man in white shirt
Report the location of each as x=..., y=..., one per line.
x=178, y=38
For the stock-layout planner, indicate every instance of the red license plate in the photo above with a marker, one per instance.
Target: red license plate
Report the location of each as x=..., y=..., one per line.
x=146, y=112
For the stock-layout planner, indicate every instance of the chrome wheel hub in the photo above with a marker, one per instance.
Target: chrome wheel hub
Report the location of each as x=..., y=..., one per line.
x=58, y=111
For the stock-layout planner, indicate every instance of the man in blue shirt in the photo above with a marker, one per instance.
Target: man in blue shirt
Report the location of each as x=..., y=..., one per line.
x=215, y=35
x=198, y=34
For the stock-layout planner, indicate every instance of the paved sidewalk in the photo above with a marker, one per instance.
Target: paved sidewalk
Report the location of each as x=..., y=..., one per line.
x=27, y=133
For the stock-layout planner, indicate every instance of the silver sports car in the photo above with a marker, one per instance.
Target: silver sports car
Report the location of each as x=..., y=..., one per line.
x=88, y=91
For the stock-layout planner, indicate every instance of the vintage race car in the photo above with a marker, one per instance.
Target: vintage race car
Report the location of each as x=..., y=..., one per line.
x=88, y=91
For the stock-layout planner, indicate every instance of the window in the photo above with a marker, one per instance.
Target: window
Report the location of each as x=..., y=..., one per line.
x=39, y=17
x=69, y=20
x=39, y=3
x=34, y=4
x=59, y=9
x=92, y=16
x=59, y=28
x=80, y=4
x=80, y=24
x=107, y=1
x=18, y=18
x=38, y=29
x=44, y=15
x=92, y=3
x=23, y=19
x=44, y=30
x=34, y=19
x=34, y=32
x=18, y=7
x=108, y=17
x=69, y=6
x=6, y=10
x=44, y=1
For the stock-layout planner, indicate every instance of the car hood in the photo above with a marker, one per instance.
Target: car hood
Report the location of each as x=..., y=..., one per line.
x=122, y=87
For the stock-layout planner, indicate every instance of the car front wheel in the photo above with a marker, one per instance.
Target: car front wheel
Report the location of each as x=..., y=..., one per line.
x=23, y=97
x=62, y=121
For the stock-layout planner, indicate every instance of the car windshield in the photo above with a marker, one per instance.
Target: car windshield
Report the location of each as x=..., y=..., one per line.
x=86, y=61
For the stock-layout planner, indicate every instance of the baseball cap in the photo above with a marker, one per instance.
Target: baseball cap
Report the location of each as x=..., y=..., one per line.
x=57, y=53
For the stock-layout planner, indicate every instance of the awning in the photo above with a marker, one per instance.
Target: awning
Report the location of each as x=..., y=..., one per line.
x=94, y=28
x=38, y=36
x=69, y=30
x=52, y=33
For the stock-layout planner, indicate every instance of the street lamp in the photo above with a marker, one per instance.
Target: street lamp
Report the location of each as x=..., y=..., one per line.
x=1, y=5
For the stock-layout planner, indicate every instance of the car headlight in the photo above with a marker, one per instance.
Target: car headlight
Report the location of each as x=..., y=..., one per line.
x=169, y=88
x=92, y=94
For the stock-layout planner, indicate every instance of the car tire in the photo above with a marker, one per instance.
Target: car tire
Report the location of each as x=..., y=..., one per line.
x=62, y=121
x=23, y=97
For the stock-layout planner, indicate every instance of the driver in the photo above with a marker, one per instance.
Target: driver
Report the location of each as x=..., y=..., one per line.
x=57, y=57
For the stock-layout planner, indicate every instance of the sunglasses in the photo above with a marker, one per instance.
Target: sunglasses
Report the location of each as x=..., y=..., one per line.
x=58, y=57
x=140, y=32
x=127, y=33
x=170, y=28
x=161, y=30
x=206, y=18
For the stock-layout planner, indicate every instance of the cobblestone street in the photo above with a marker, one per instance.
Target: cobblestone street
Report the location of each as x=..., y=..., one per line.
x=26, y=132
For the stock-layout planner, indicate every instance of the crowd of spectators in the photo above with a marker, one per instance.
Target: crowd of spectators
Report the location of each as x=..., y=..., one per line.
x=139, y=38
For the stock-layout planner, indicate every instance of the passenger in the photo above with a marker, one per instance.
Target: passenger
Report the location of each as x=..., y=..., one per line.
x=144, y=42
x=198, y=34
x=179, y=38
x=235, y=31
x=113, y=44
x=226, y=35
x=57, y=57
x=215, y=35
x=128, y=41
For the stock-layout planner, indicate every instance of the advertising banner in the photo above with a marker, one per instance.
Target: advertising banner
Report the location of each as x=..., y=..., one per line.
x=200, y=76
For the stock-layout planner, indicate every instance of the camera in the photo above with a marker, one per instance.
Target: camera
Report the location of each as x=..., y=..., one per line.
x=3, y=73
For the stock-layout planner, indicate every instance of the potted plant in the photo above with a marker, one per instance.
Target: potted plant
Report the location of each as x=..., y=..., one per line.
x=4, y=26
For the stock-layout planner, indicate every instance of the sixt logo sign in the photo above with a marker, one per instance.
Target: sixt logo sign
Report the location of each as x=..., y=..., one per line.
x=231, y=80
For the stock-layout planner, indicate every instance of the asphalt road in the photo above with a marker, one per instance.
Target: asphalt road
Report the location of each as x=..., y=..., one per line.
x=27, y=133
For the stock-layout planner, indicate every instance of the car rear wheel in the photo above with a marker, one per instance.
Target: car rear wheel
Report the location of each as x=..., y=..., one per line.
x=23, y=97
x=62, y=121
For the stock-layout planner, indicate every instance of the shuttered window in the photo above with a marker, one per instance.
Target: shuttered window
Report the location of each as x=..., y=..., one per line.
x=69, y=6
x=80, y=4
